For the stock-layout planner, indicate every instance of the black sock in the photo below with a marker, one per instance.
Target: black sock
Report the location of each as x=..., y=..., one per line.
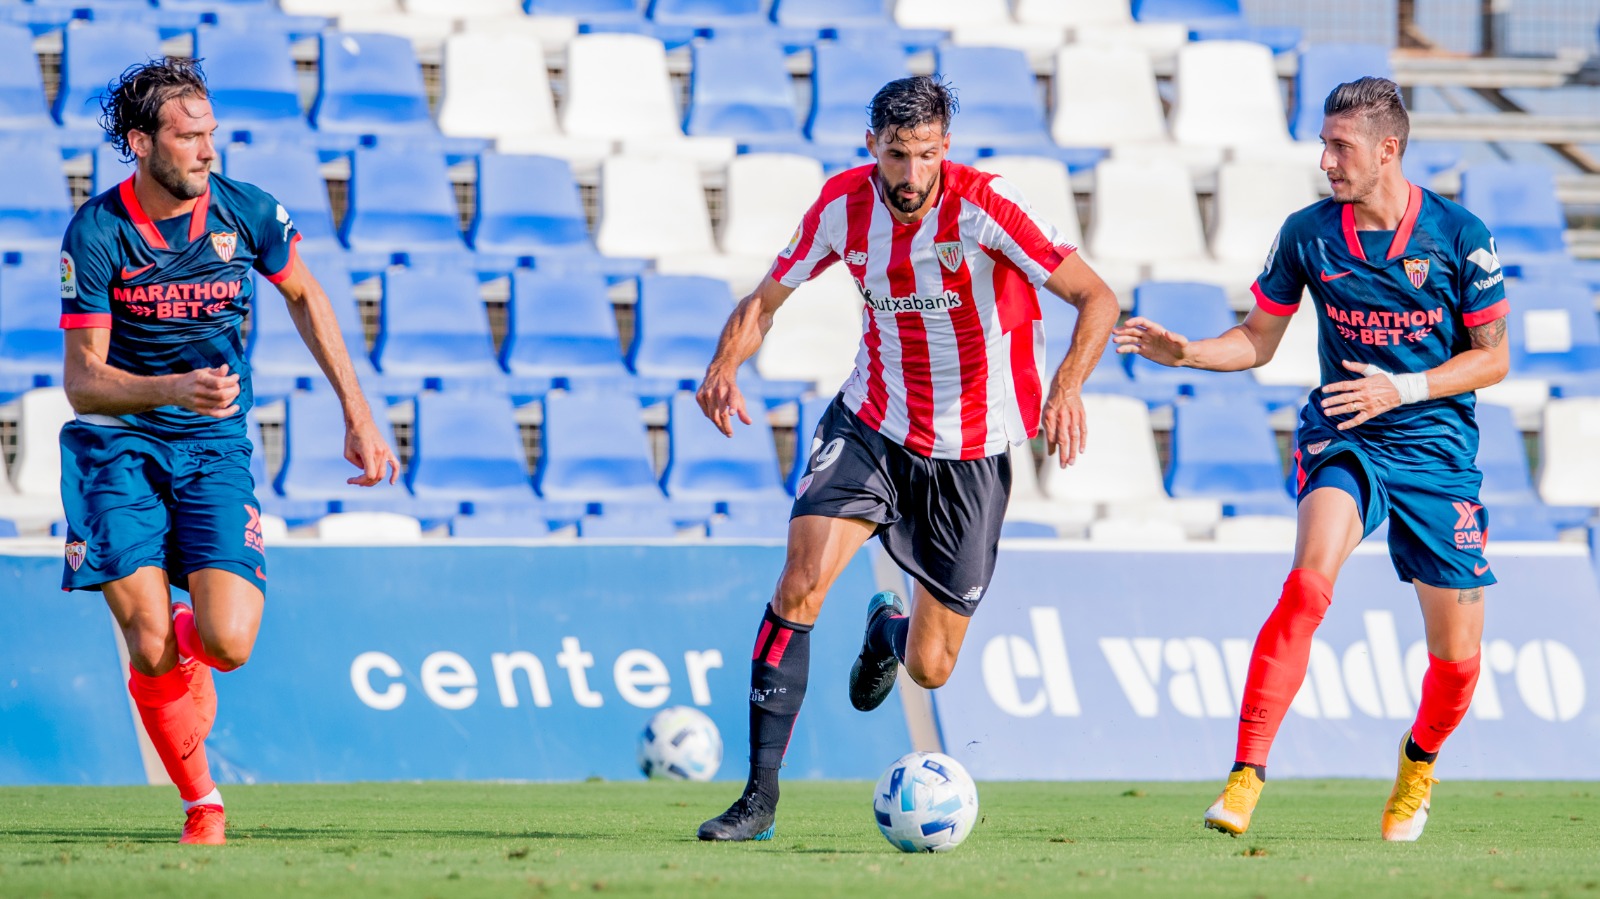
x=1415, y=753
x=763, y=785
x=1260, y=770
x=779, y=669
x=888, y=634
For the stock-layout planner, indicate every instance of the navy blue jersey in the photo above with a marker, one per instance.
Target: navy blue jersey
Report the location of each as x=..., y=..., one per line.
x=174, y=293
x=1401, y=300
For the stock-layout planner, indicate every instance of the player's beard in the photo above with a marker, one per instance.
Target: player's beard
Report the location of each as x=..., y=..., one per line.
x=1356, y=191
x=170, y=177
x=912, y=205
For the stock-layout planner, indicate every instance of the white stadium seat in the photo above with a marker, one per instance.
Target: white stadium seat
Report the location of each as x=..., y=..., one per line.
x=1568, y=475
x=426, y=32
x=1029, y=503
x=474, y=103
x=1106, y=97
x=273, y=528
x=1275, y=531
x=369, y=527
x=32, y=497
x=334, y=8
x=618, y=88
x=652, y=208
x=1228, y=96
x=460, y=9
x=766, y=196
x=1143, y=213
x=816, y=334
x=1137, y=532
x=1296, y=363
x=1044, y=183
x=979, y=23
x=1103, y=23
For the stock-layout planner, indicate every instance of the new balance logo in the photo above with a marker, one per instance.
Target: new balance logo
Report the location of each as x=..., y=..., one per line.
x=855, y=257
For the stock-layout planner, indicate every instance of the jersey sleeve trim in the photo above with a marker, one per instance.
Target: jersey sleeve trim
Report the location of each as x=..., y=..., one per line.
x=75, y=320
x=1484, y=316
x=1269, y=305
x=281, y=274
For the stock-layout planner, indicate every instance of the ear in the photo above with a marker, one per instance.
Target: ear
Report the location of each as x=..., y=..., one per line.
x=139, y=143
x=872, y=144
x=945, y=143
x=1391, y=149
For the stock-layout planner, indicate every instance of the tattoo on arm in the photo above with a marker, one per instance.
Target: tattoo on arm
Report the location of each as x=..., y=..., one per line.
x=1470, y=595
x=1488, y=335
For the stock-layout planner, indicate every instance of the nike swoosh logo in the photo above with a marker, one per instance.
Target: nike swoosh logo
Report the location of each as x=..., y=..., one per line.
x=1480, y=569
x=1328, y=277
x=260, y=574
x=128, y=273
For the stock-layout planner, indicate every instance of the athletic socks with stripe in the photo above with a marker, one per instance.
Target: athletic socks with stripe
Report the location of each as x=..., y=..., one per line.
x=779, y=669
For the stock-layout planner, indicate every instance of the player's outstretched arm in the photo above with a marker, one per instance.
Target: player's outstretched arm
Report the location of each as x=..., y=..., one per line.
x=313, y=318
x=95, y=386
x=719, y=395
x=1483, y=364
x=1249, y=344
x=1066, y=428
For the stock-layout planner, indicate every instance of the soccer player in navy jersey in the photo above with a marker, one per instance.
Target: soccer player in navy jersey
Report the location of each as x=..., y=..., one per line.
x=155, y=469
x=1411, y=313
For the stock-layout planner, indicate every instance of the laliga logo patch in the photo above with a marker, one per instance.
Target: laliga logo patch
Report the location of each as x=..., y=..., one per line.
x=76, y=551
x=1317, y=447
x=69, y=276
x=949, y=253
x=225, y=242
x=1417, y=271
x=793, y=242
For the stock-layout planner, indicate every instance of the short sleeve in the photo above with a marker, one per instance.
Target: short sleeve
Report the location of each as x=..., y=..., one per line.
x=1031, y=244
x=86, y=271
x=1481, y=283
x=1278, y=288
x=273, y=235
x=809, y=252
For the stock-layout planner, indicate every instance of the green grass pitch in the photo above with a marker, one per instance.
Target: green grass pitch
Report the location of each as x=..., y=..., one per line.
x=1310, y=838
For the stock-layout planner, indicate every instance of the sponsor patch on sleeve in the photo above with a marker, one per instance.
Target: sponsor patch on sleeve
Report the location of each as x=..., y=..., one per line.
x=69, y=276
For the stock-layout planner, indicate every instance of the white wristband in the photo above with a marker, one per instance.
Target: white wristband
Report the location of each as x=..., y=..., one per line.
x=1412, y=387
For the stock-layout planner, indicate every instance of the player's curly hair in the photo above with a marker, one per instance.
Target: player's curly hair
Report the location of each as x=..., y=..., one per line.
x=911, y=103
x=133, y=100
x=1378, y=101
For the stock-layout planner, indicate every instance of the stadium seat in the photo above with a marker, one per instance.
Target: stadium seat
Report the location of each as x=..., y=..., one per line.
x=631, y=523
x=654, y=209
x=476, y=68
x=35, y=203
x=435, y=329
x=1122, y=108
x=766, y=196
x=401, y=201
x=749, y=527
x=1137, y=532
x=595, y=450
x=1324, y=67
x=1275, y=531
x=504, y=17
x=518, y=523
x=618, y=89
x=250, y=75
x=31, y=341
x=740, y=89
x=36, y=470
x=1228, y=96
x=676, y=325
x=1517, y=201
x=981, y=23
x=1048, y=189
x=292, y=175
x=1143, y=213
x=724, y=18
x=467, y=448
x=369, y=527
x=1196, y=311
x=816, y=334
x=706, y=467
x=853, y=21
x=805, y=433
x=547, y=224
x=1029, y=504
x=1571, y=443
x=1502, y=459
x=22, y=102
x=279, y=359
x=109, y=169
x=1059, y=319
x=561, y=331
x=315, y=471
x=1225, y=448
x=1105, y=23
x=1000, y=105
x=426, y=28
x=1554, y=333
x=93, y=55
x=370, y=84
x=1209, y=20
x=1294, y=368
x=843, y=82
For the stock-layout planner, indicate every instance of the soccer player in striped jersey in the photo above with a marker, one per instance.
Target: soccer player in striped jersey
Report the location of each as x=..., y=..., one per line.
x=155, y=471
x=1411, y=312
x=914, y=449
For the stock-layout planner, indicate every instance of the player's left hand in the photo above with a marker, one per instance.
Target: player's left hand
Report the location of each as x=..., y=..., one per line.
x=1066, y=426
x=1366, y=398
x=366, y=450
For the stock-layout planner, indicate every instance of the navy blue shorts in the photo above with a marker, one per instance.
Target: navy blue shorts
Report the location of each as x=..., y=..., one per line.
x=133, y=500
x=1437, y=526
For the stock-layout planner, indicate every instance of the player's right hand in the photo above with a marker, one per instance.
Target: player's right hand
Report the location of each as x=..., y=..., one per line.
x=208, y=391
x=1146, y=338
x=720, y=400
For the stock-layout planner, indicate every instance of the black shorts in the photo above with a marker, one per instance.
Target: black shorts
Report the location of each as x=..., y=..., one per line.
x=939, y=519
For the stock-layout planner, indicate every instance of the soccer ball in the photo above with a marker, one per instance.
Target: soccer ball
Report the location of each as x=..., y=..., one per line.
x=926, y=802
x=680, y=743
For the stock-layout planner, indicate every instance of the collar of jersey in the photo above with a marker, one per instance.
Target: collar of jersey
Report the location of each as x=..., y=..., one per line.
x=1402, y=234
x=147, y=228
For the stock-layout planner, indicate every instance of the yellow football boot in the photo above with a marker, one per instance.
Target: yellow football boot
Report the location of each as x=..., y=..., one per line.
x=1407, y=811
x=1231, y=812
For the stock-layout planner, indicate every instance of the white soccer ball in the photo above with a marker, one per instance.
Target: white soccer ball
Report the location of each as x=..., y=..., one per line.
x=926, y=802
x=680, y=743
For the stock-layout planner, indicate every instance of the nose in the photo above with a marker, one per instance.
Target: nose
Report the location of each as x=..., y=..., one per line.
x=1328, y=163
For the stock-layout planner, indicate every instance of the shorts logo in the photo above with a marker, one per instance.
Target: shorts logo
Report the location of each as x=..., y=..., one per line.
x=828, y=455
x=973, y=595
x=1480, y=569
x=1417, y=271
x=794, y=242
x=253, y=537
x=1468, y=534
x=950, y=255
x=76, y=551
x=800, y=489
x=225, y=242
x=69, y=276
x=1319, y=446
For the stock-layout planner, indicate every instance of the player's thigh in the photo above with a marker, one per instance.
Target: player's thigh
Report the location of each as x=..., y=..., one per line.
x=819, y=549
x=227, y=614
x=1453, y=620
x=140, y=603
x=216, y=519
x=934, y=640
x=1340, y=503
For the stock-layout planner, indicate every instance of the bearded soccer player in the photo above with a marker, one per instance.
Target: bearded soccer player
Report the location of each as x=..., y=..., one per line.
x=915, y=447
x=155, y=470
x=1411, y=313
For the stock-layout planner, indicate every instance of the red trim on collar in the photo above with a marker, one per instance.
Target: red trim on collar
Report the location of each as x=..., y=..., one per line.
x=202, y=204
x=1402, y=235
x=147, y=228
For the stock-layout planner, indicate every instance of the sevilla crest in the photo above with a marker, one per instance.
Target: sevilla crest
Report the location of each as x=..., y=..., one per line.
x=225, y=242
x=76, y=551
x=1417, y=271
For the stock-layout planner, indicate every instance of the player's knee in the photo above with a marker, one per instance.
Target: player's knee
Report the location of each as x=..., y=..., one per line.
x=930, y=674
x=228, y=651
x=800, y=588
x=147, y=651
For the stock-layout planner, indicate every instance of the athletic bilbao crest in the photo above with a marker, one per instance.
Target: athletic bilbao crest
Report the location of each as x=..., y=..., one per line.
x=949, y=254
x=1417, y=271
x=76, y=550
x=225, y=243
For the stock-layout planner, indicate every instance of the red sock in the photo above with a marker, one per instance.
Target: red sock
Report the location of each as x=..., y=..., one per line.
x=1446, y=693
x=174, y=726
x=189, y=642
x=1278, y=662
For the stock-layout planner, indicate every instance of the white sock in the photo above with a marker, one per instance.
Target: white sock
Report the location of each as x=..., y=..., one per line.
x=212, y=798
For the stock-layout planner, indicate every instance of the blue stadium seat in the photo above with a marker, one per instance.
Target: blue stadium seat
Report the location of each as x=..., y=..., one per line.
x=1554, y=332
x=279, y=360
x=93, y=54
x=854, y=21
x=109, y=169
x=1196, y=311
x=706, y=467
x=561, y=332
x=1000, y=105
x=401, y=201
x=595, y=450
x=546, y=224
x=631, y=523
x=31, y=343
x=749, y=527
x=1518, y=203
x=435, y=332
x=811, y=412
x=370, y=84
x=1110, y=375
x=843, y=82
x=515, y=523
x=741, y=89
x=35, y=203
x=725, y=19
x=292, y=175
x=677, y=321
x=588, y=11
x=1224, y=448
x=315, y=471
x=1515, y=510
x=252, y=80
x=1211, y=20
x=1324, y=67
x=22, y=103
x=467, y=448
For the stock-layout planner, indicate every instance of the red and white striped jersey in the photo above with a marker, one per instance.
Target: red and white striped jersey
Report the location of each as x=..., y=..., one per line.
x=951, y=345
